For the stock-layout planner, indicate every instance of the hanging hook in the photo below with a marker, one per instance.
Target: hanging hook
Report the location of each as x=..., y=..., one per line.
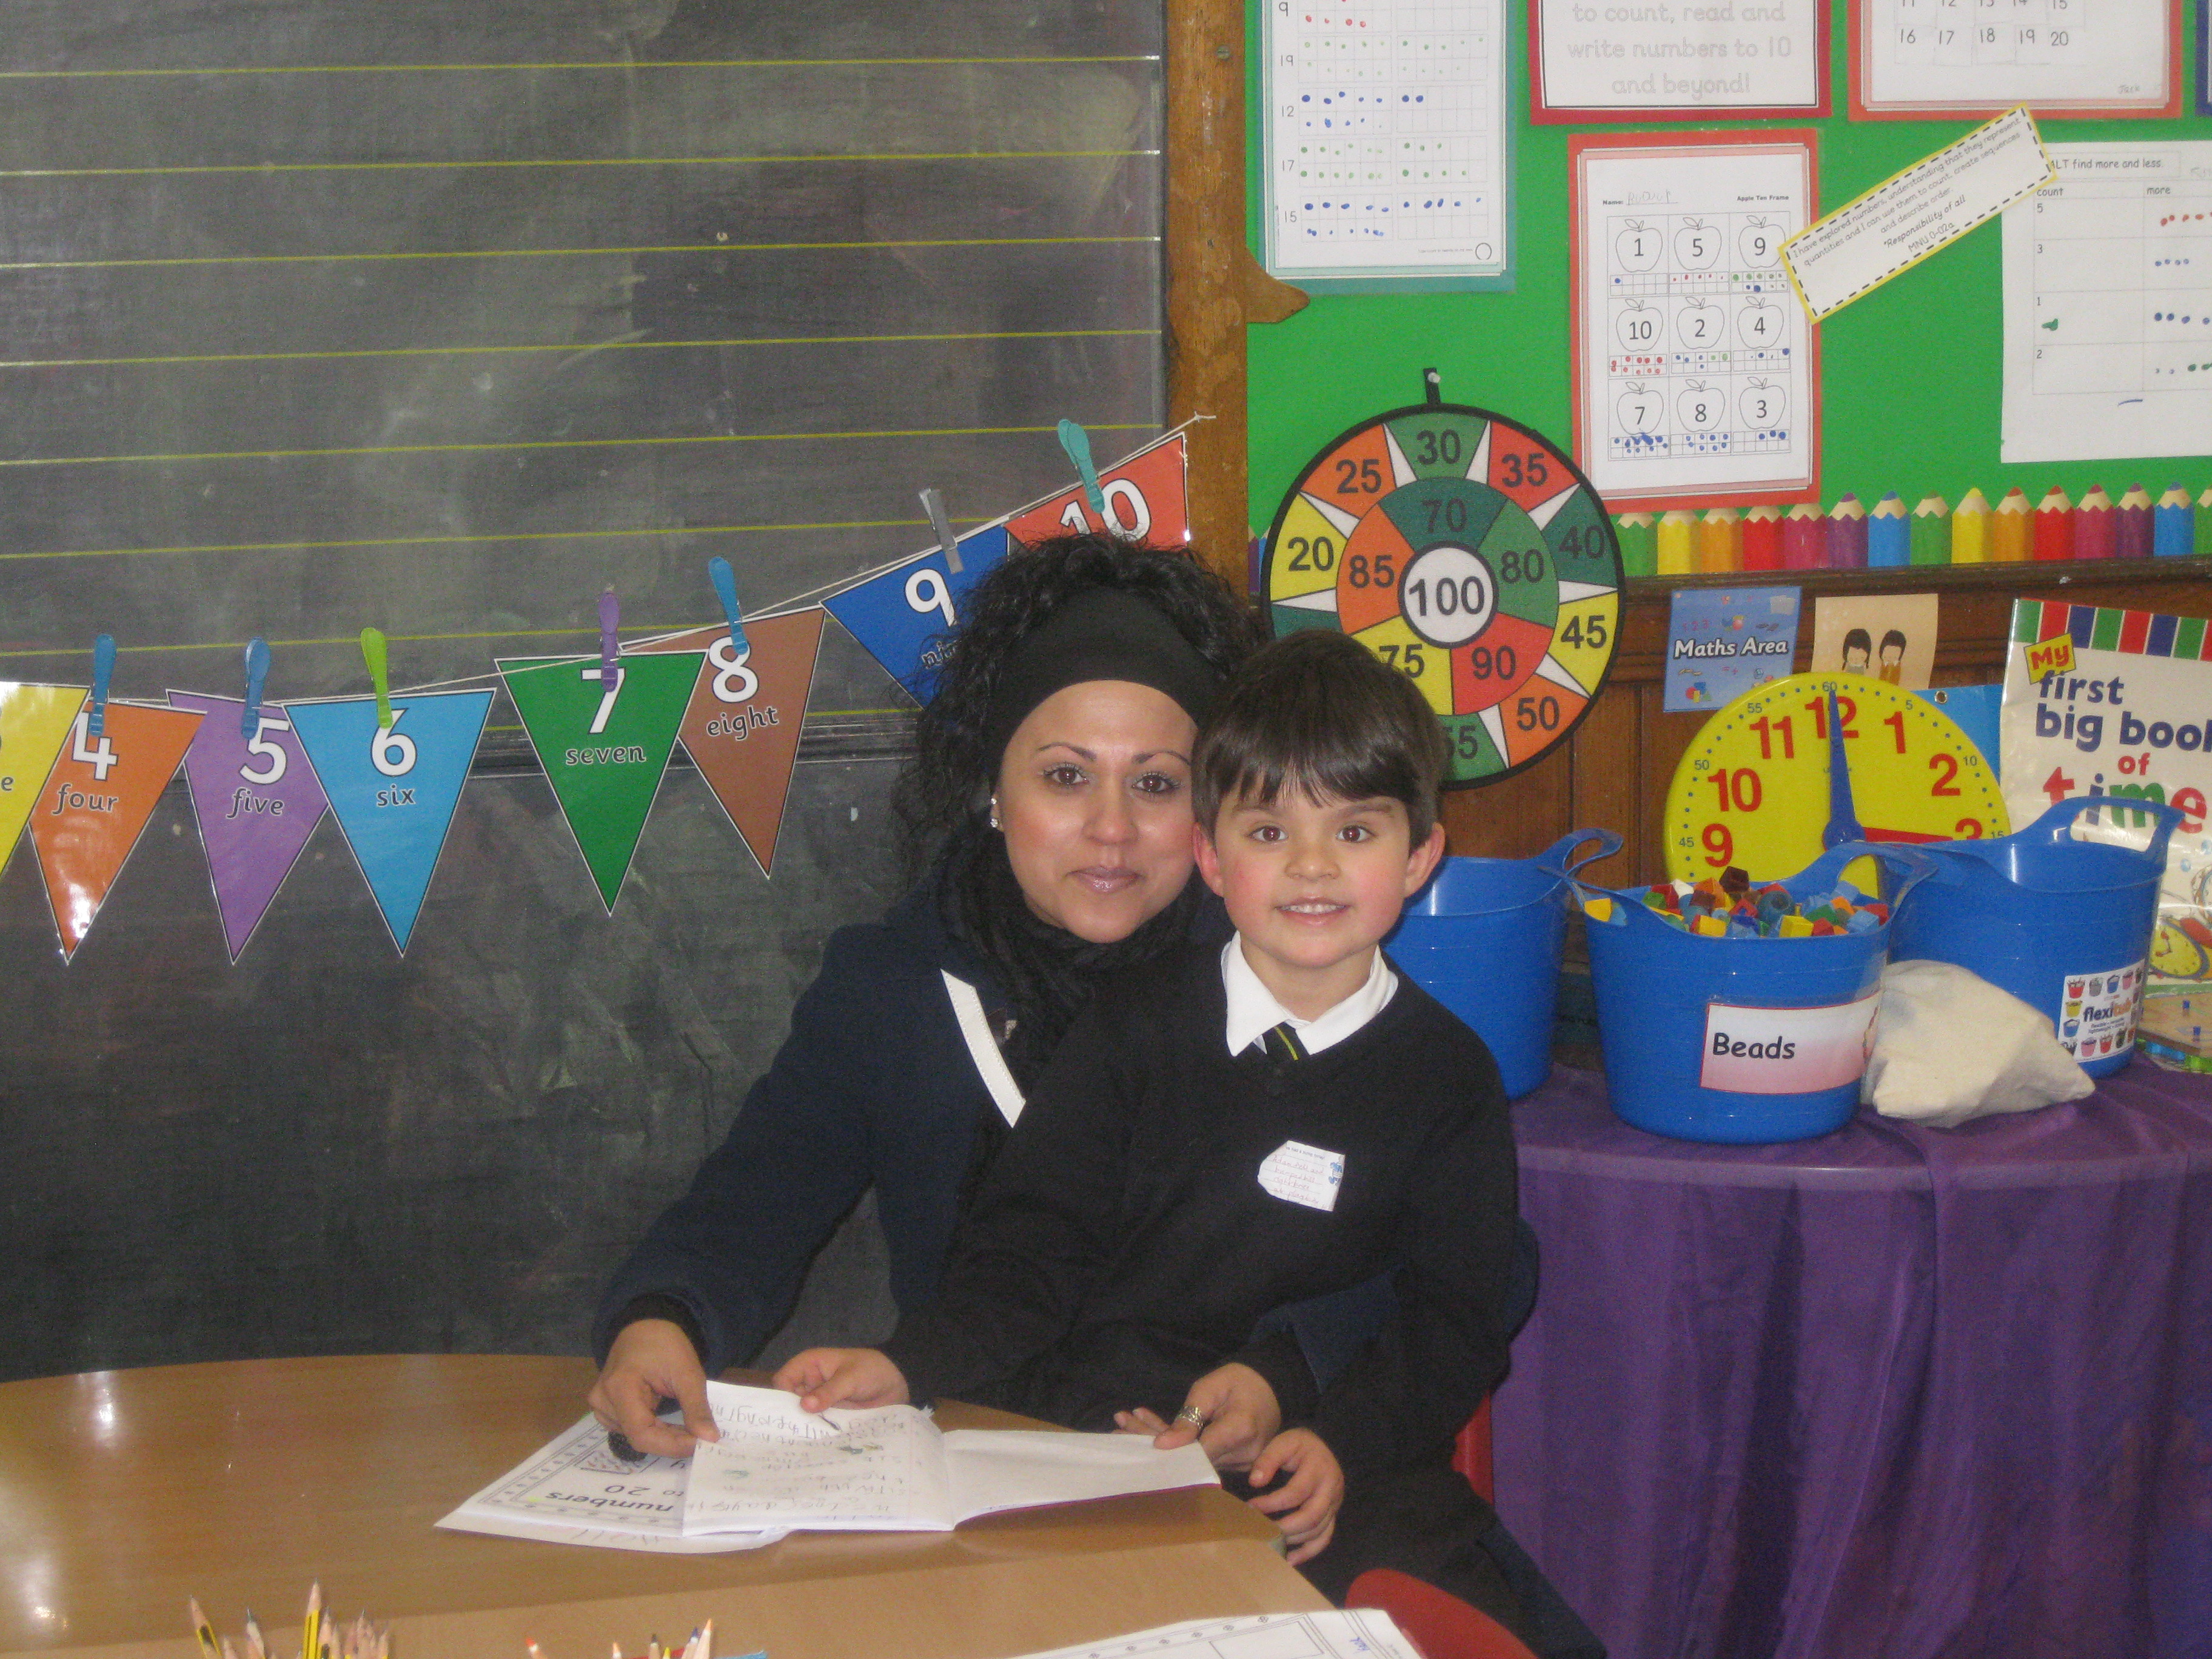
x=932, y=502
x=1077, y=442
x=103, y=670
x=257, y=675
x=726, y=589
x=373, y=653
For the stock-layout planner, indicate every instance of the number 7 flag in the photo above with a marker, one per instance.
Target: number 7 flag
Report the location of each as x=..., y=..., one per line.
x=604, y=747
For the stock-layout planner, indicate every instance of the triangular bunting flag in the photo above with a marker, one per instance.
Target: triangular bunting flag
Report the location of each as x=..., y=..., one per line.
x=34, y=723
x=95, y=805
x=741, y=727
x=393, y=790
x=603, y=748
x=900, y=616
x=1147, y=496
x=257, y=801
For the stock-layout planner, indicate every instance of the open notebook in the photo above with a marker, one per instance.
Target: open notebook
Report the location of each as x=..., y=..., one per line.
x=893, y=1470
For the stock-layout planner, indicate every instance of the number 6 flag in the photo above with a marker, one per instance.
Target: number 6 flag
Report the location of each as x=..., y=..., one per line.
x=604, y=747
x=394, y=788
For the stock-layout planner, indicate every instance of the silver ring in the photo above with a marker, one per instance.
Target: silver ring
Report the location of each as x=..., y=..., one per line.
x=1192, y=1416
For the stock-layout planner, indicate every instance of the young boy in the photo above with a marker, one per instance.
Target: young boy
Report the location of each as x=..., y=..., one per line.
x=1243, y=1129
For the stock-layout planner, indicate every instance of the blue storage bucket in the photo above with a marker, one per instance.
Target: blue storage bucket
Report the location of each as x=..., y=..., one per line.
x=1739, y=1040
x=2063, y=924
x=1484, y=938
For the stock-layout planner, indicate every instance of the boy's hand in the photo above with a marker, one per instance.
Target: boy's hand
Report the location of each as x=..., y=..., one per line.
x=1305, y=1506
x=652, y=1360
x=1237, y=1414
x=859, y=1377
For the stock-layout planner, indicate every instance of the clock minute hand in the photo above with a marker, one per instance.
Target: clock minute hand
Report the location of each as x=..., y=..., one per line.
x=1842, y=817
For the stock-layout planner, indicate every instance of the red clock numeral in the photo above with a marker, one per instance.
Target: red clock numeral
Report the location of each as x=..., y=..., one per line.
x=1720, y=846
x=1895, y=723
x=1740, y=789
x=1967, y=830
x=1847, y=706
x=1768, y=731
x=1948, y=765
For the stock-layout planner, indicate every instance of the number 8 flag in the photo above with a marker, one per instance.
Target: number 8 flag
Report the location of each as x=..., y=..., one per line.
x=394, y=788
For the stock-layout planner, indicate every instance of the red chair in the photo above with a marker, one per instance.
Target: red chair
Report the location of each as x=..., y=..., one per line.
x=1438, y=1623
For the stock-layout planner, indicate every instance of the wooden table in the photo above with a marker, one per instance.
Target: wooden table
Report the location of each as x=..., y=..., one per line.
x=124, y=1492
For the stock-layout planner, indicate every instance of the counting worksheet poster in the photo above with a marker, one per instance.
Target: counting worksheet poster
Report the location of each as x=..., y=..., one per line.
x=2108, y=307
x=1913, y=58
x=1696, y=374
x=1618, y=60
x=1386, y=142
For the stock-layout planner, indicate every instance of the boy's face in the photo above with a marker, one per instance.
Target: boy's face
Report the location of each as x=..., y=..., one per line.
x=1313, y=886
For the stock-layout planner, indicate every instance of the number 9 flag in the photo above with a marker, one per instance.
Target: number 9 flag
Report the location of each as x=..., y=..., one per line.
x=394, y=788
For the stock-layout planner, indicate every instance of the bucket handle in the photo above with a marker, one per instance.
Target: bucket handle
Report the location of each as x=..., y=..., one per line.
x=2057, y=824
x=1559, y=858
x=1914, y=865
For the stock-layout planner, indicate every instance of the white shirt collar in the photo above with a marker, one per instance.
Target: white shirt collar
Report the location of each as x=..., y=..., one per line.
x=1253, y=1010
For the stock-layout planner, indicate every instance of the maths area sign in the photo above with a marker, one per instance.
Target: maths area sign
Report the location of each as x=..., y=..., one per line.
x=2118, y=703
x=1719, y=645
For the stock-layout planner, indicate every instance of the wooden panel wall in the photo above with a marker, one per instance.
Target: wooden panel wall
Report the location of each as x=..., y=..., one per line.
x=1615, y=771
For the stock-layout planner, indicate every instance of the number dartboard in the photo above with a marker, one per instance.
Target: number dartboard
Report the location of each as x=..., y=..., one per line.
x=1467, y=552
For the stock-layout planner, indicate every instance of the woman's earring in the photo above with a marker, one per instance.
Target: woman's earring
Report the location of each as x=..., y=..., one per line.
x=994, y=811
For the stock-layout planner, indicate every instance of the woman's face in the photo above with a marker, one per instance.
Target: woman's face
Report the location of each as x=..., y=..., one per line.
x=1094, y=797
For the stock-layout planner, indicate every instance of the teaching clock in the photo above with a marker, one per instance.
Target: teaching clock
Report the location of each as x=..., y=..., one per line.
x=1752, y=789
x=1469, y=553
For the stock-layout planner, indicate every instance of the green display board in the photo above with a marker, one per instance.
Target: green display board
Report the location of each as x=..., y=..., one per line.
x=1910, y=374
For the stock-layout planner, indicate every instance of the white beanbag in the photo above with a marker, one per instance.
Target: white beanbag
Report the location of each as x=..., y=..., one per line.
x=1949, y=1046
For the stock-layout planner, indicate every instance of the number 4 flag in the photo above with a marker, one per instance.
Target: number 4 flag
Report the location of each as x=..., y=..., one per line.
x=394, y=788
x=604, y=747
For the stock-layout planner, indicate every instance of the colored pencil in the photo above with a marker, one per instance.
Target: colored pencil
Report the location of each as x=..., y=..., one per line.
x=202, y=1631
x=1717, y=552
x=2094, y=531
x=2009, y=528
x=1970, y=529
x=1847, y=535
x=255, y=1647
x=1639, y=546
x=2131, y=526
x=1762, y=537
x=2173, y=530
x=1889, y=543
x=2054, y=527
x=1804, y=538
x=1931, y=531
x=1677, y=542
x=311, y=1631
x=2204, y=520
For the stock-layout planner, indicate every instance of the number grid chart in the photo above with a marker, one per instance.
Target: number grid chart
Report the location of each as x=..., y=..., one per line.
x=1388, y=149
x=1913, y=59
x=2108, y=307
x=1694, y=369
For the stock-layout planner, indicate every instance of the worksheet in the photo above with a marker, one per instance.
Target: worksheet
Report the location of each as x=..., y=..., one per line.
x=1695, y=372
x=1354, y=1633
x=2108, y=307
x=574, y=1490
x=891, y=1470
x=1386, y=149
x=1600, y=60
x=1922, y=58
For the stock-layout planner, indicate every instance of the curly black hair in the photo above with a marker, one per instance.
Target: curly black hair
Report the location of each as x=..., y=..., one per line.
x=954, y=768
x=1045, y=974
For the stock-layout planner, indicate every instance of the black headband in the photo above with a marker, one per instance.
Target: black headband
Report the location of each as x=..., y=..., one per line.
x=1101, y=634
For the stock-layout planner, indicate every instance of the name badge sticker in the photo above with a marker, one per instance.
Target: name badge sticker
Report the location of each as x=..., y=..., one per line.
x=1786, y=1051
x=1303, y=1174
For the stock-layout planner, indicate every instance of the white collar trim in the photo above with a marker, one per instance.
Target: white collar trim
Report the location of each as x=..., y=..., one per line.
x=1253, y=1010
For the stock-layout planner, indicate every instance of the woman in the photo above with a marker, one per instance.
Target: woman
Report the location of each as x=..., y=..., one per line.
x=1052, y=776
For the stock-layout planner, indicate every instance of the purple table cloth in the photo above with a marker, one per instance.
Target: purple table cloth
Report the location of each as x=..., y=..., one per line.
x=1901, y=1393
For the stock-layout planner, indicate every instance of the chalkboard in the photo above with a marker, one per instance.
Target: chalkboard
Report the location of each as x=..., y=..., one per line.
x=443, y=318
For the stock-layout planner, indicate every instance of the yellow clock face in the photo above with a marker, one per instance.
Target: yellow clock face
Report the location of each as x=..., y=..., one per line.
x=1752, y=789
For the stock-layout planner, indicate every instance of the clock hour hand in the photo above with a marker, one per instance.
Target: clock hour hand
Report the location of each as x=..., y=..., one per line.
x=1842, y=817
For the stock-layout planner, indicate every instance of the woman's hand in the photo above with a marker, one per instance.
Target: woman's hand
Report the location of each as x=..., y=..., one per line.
x=859, y=1377
x=1240, y=1417
x=1305, y=1506
x=652, y=1360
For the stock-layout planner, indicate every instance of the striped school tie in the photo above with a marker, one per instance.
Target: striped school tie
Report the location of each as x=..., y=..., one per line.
x=1280, y=1042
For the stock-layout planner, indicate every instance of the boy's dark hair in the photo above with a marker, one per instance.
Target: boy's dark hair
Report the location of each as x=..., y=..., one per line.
x=1318, y=711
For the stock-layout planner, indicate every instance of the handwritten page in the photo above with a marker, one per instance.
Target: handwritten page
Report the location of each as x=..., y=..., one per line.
x=1903, y=220
x=1386, y=142
x=1354, y=1633
x=1596, y=59
x=1918, y=58
x=574, y=1491
x=2108, y=307
x=891, y=1470
x=1695, y=375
